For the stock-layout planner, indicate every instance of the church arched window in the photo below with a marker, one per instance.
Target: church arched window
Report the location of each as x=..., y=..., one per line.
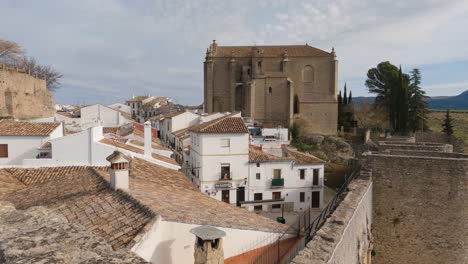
x=308, y=74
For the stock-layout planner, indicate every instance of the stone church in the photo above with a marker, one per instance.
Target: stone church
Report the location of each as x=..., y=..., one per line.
x=274, y=85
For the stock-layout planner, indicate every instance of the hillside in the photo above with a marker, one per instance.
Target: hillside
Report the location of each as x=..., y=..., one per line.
x=450, y=102
x=457, y=102
x=460, y=123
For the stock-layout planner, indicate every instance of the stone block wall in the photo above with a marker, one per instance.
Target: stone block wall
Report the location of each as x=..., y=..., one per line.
x=346, y=235
x=22, y=95
x=421, y=146
x=420, y=208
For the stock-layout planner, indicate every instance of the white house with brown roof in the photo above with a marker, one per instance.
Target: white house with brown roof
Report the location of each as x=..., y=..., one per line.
x=23, y=140
x=219, y=155
x=294, y=180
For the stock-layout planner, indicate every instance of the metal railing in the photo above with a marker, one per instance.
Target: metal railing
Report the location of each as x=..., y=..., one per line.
x=276, y=183
x=283, y=251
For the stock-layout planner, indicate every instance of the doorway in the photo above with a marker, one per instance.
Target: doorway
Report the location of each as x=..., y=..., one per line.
x=276, y=196
x=315, y=199
x=225, y=196
x=240, y=195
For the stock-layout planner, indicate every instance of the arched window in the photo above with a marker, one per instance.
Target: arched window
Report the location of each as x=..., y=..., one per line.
x=270, y=90
x=308, y=74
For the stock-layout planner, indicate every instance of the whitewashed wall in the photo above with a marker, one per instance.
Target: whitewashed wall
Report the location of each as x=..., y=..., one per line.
x=207, y=155
x=293, y=185
x=20, y=147
x=25, y=147
x=103, y=115
x=171, y=242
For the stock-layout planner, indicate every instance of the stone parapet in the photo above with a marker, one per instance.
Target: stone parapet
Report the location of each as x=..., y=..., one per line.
x=346, y=235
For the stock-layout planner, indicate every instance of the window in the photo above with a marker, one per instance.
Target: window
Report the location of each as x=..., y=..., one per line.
x=259, y=64
x=315, y=180
x=302, y=197
x=302, y=174
x=257, y=176
x=308, y=74
x=276, y=196
x=258, y=164
x=3, y=150
x=258, y=197
x=277, y=174
x=225, y=143
x=270, y=90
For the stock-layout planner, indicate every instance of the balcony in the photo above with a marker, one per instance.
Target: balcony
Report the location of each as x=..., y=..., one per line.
x=277, y=183
x=225, y=176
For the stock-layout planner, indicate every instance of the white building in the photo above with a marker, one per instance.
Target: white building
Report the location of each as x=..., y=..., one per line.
x=102, y=115
x=219, y=157
x=295, y=180
x=223, y=165
x=171, y=122
x=136, y=102
x=23, y=140
x=90, y=148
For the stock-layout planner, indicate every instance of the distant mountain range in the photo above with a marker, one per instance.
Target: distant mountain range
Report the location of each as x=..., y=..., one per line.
x=439, y=102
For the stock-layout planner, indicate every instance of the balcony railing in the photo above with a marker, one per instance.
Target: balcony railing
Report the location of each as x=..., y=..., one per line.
x=225, y=176
x=277, y=183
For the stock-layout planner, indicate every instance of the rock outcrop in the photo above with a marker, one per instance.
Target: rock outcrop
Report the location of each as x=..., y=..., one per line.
x=40, y=235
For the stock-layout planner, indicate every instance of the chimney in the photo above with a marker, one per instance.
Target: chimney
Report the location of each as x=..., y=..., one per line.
x=147, y=135
x=208, y=245
x=119, y=170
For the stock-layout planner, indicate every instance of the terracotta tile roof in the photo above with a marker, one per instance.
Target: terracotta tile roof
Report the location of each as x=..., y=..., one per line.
x=156, y=101
x=65, y=114
x=9, y=183
x=271, y=51
x=110, y=130
x=154, y=145
x=301, y=157
x=171, y=195
x=181, y=132
x=137, y=98
x=19, y=128
x=84, y=197
x=34, y=176
x=137, y=150
x=223, y=125
x=256, y=155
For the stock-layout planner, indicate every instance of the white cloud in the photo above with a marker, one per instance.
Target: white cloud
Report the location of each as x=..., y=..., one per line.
x=158, y=46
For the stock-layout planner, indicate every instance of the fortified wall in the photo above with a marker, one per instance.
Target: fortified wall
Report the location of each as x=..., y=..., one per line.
x=23, y=95
x=346, y=236
x=420, y=194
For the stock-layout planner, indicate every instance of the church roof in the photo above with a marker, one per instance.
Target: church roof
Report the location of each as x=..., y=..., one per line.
x=271, y=51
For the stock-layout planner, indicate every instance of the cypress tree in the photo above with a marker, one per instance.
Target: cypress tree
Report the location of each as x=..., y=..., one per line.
x=345, y=98
x=350, y=98
x=340, y=99
x=447, y=124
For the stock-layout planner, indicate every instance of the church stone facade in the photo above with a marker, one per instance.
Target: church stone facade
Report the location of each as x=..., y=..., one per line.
x=274, y=85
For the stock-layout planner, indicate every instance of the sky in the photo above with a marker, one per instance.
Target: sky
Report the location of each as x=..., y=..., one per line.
x=109, y=50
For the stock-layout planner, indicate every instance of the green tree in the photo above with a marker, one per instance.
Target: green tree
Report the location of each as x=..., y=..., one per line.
x=391, y=87
x=417, y=102
x=345, y=98
x=447, y=126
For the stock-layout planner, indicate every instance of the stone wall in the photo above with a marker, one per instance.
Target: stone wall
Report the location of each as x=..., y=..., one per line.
x=22, y=95
x=420, y=208
x=346, y=235
x=421, y=146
